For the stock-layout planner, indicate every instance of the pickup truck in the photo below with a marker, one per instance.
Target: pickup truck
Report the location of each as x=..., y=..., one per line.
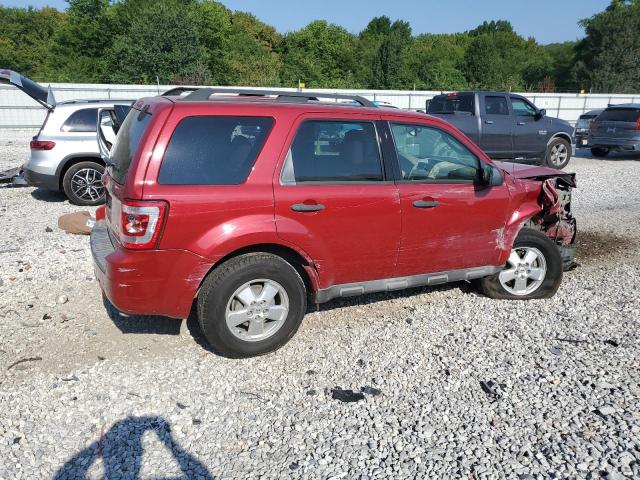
x=507, y=126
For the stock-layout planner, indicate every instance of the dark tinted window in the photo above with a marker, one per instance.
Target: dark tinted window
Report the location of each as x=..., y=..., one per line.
x=213, y=150
x=451, y=104
x=620, y=115
x=325, y=151
x=430, y=154
x=496, y=106
x=84, y=120
x=126, y=143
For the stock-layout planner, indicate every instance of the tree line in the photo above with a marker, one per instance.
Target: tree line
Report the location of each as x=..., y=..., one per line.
x=203, y=42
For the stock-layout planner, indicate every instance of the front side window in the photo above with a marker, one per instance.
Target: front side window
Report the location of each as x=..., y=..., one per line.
x=333, y=151
x=428, y=154
x=213, y=150
x=522, y=108
x=84, y=120
x=494, y=105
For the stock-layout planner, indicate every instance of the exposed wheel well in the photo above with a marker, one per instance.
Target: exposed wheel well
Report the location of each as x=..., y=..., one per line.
x=292, y=257
x=72, y=161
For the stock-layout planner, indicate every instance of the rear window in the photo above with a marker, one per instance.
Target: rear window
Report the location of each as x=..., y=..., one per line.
x=84, y=120
x=213, y=150
x=620, y=115
x=126, y=143
x=451, y=104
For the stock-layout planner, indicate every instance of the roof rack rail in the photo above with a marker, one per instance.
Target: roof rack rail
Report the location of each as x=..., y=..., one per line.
x=178, y=91
x=281, y=96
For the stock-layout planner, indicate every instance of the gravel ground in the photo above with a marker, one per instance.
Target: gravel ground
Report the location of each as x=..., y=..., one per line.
x=99, y=395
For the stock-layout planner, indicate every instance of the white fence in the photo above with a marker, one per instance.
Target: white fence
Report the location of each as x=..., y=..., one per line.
x=17, y=110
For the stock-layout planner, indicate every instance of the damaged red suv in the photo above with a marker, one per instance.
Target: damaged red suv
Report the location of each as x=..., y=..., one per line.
x=252, y=203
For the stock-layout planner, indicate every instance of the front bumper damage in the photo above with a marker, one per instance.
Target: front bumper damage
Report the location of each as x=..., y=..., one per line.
x=555, y=219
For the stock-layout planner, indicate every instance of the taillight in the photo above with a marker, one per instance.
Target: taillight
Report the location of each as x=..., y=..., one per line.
x=141, y=223
x=42, y=145
x=637, y=123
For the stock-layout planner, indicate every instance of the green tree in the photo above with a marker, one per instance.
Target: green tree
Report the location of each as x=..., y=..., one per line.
x=436, y=62
x=321, y=55
x=80, y=42
x=607, y=58
x=387, y=71
x=563, y=59
x=160, y=43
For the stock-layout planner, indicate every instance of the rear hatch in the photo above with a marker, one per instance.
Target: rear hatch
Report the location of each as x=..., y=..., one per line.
x=44, y=96
x=617, y=123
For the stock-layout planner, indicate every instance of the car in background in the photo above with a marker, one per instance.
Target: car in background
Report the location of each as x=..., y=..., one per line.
x=507, y=126
x=64, y=153
x=581, y=135
x=616, y=128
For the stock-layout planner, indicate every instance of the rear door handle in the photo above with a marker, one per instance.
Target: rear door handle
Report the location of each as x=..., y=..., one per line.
x=521, y=123
x=303, y=207
x=489, y=122
x=425, y=204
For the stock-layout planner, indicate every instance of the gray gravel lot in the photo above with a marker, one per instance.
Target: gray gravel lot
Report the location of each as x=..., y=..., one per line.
x=99, y=395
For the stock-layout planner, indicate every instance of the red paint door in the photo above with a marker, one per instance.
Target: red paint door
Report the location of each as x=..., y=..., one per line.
x=333, y=199
x=448, y=221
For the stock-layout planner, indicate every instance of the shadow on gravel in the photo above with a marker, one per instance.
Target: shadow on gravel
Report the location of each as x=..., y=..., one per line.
x=51, y=196
x=121, y=451
x=594, y=246
x=149, y=324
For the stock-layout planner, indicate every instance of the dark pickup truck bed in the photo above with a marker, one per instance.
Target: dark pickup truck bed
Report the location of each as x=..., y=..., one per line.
x=507, y=126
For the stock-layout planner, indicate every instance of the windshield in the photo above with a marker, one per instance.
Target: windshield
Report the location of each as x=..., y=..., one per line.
x=620, y=115
x=127, y=142
x=451, y=104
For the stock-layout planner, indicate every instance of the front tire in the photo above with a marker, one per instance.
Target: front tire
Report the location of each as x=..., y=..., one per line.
x=82, y=184
x=534, y=270
x=251, y=305
x=558, y=153
x=599, y=152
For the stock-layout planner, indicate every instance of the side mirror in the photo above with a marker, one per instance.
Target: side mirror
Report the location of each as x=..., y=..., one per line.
x=488, y=175
x=541, y=113
x=106, y=135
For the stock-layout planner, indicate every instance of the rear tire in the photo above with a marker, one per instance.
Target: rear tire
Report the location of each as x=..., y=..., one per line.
x=541, y=272
x=558, y=153
x=82, y=184
x=599, y=152
x=239, y=313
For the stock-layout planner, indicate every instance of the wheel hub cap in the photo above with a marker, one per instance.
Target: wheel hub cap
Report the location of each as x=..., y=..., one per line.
x=525, y=271
x=86, y=184
x=257, y=310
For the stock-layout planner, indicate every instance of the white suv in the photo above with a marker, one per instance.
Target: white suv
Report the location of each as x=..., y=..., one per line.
x=64, y=153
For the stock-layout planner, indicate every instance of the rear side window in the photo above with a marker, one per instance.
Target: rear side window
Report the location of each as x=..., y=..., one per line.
x=620, y=115
x=427, y=154
x=84, y=120
x=496, y=105
x=126, y=143
x=451, y=104
x=213, y=150
x=333, y=151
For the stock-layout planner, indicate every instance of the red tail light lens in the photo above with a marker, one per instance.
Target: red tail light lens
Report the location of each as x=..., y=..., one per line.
x=141, y=223
x=41, y=145
x=638, y=123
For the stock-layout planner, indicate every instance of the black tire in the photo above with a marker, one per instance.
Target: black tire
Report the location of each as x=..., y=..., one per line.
x=493, y=288
x=558, y=143
x=218, y=289
x=599, y=152
x=95, y=171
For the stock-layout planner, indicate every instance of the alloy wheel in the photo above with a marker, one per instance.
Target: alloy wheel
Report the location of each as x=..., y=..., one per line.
x=526, y=270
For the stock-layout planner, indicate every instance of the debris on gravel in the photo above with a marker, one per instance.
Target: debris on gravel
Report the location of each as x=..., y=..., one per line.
x=115, y=396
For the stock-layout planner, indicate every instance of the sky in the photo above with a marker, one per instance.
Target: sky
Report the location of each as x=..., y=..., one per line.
x=548, y=21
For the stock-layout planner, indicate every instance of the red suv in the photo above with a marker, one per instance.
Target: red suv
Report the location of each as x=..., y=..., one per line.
x=251, y=203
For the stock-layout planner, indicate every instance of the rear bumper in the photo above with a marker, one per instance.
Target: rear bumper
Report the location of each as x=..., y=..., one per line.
x=42, y=180
x=154, y=282
x=629, y=145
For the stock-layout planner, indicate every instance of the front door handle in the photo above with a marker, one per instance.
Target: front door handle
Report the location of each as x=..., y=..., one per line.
x=425, y=204
x=303, y=207
x=521, y=123
x=489, y=122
